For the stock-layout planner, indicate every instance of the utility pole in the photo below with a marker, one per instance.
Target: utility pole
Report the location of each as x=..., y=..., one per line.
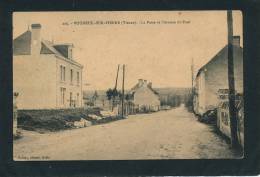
x=231, y=83
x=115, y=88
x=192, y=69
x=192, y=77
x=123, y=91
x=117, y=76
x=192, y=84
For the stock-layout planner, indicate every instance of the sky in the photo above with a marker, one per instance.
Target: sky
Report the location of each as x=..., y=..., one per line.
x=150, y=48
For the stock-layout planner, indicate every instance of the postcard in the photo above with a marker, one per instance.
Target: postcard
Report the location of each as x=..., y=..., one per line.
x=127, y=85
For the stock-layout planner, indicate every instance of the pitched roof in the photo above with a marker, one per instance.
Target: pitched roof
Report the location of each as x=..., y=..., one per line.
x=134, y=88
x=154, y=91
x=63, y=49
x=22, y=46
x=50, y=47
x=216, y=57
x=137, y=86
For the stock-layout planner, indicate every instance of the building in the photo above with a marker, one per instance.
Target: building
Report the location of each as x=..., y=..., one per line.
x=96, y=99
x=45, y=74
x=144, y=97
x=213, y=76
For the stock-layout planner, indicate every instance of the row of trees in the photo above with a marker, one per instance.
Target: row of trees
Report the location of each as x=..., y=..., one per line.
x=171, y=100
x=176, y=100
x=188, y=101
x=111, y=94
x=115, y=94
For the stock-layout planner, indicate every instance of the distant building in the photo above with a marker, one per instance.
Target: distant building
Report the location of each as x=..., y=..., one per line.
x=45, y=74
x=96, y=99
x=144, y=97
x=213, y=76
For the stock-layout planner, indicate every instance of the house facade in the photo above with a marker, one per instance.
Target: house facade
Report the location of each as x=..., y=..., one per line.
x=144, y=97
x=213, y=76
x=45, y=74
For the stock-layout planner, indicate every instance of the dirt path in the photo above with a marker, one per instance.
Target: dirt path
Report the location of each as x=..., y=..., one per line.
x=173, y=134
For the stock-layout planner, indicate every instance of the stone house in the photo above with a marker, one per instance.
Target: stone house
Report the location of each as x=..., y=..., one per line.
x=45, y=74
x=144, y=97
x=214, y=76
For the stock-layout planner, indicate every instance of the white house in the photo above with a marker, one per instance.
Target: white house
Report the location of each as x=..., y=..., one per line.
x=144, y=97
x=45, y=74
x=213, y=77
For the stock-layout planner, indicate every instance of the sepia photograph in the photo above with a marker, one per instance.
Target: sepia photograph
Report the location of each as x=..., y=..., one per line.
x=128, y=85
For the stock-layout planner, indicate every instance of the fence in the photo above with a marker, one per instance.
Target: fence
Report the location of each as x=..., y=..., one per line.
x=223, y=120
x=15, y=114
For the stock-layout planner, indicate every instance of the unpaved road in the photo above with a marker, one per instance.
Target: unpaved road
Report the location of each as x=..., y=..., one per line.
x=172, y=134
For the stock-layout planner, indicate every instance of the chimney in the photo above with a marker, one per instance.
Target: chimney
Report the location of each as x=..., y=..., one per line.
x=145, y=82
x=70, y=56
x=140, y=82
x=150, y=84
x=36, y=38
x=236, y=41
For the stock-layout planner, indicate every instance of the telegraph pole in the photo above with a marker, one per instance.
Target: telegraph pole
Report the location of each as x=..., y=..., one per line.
x=192, y=77
x=113, y=101
x=117, y=76
x=192, y=69
x=192, y=84
x=231, y=83
x=123, y=91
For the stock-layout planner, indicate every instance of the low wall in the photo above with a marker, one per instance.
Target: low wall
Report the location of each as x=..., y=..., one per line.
x=53, y=119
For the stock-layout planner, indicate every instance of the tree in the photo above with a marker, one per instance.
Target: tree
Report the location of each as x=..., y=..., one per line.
x=128, y=97
x=112, y=94
x=109, y=94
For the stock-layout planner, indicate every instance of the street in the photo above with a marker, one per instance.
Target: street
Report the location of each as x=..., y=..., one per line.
x=171, y=134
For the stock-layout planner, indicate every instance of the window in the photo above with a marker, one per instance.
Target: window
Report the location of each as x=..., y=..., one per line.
x=71, y=101
x=62, y=95
x=77, y=99
x=71, y=76
x=62, y=73
x=77, y=78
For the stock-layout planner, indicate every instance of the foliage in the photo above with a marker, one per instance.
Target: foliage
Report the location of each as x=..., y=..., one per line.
x=172, y=100
x=95, y=95
x=189, y=101
x=112, y=93
x=128, y=97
